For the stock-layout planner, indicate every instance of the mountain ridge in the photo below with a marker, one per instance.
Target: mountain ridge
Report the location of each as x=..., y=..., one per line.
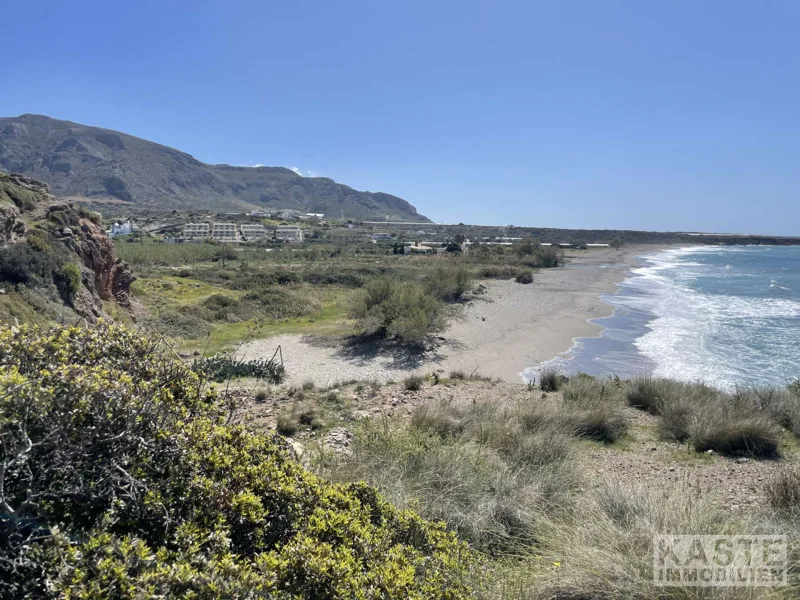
x=101, y=165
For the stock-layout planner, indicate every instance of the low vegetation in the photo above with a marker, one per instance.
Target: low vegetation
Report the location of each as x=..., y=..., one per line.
x=413, y=383
x=387, y=308
x=121, y=478
x=490, y=470
x=746, y=422
x=222, y=367
x=550, y=380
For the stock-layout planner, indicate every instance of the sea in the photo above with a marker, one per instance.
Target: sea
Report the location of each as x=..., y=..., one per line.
x=725, y=315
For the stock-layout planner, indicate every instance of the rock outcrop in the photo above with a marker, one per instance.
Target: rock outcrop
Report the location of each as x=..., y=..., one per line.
x=73, y=234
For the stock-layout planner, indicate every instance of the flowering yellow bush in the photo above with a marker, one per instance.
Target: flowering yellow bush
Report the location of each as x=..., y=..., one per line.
x=121, y=479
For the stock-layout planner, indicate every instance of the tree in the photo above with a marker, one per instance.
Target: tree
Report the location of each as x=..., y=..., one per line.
x=526, y=247
x=617, y=243
x=223, y=253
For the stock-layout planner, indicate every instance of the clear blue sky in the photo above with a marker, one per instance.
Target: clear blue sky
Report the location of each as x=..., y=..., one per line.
x=658, y=114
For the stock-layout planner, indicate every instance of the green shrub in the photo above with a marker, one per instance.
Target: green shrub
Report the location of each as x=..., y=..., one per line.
x=499, y=271
x=24, y=264
x=71, y=277
x=179, y=324
x=413, y=383
x=448, y=284
x=222, y=367
x=262, y=302
x=125, y=482
x=261, y=395
x=524, y=277
x=387, y=308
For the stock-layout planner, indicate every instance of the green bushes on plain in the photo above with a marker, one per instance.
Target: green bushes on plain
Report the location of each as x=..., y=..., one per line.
x=259, y=303
x=448, y=284
x=122, y=480
x=388, y=308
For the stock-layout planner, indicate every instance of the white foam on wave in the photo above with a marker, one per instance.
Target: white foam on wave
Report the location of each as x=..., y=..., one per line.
x=685, y=337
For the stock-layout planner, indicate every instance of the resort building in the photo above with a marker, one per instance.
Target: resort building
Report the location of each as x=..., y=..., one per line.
x=125, y=228
x=196, y=232
x=381, y=236
x=253, y=232
x=289, y=233
x=224, y=232
x=418, y=248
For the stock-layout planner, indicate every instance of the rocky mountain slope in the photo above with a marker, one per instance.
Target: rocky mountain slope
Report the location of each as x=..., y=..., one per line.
x=54, y=255
x=82, y=162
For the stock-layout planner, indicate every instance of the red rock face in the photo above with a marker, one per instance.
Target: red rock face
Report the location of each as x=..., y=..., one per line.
x=112, y=277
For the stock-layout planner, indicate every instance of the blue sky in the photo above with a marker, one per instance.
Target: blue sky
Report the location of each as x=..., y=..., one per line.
x=668, y=114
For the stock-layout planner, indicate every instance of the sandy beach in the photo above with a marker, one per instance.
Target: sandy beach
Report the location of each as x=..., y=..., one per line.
x=499, y=334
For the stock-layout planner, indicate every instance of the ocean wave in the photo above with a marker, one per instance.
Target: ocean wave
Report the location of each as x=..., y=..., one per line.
x=715, y=337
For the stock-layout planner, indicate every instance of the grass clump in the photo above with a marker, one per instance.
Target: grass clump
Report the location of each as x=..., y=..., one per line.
x=550, y=380
x=302, y=416
x=735, y=434
x=607, y=550
x=413, y=383
x=472, y=466
x=783, y=493
x=387, y=308
x=742, y=423
x=524, y=277
x=173, y=501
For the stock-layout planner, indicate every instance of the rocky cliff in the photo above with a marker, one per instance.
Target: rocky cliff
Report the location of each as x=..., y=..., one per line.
x=45, y=243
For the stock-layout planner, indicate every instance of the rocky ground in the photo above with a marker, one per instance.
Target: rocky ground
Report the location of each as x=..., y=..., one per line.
x=640, y=459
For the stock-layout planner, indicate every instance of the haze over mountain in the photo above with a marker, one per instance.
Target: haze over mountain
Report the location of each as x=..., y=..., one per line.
x=93, y=164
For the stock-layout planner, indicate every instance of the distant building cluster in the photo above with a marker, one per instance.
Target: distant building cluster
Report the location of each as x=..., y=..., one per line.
x=232, y=233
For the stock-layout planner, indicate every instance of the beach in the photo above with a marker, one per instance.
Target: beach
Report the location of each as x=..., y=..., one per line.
x=499, y=333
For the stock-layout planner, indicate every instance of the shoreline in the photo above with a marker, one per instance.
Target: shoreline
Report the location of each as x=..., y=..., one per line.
x=500, y=334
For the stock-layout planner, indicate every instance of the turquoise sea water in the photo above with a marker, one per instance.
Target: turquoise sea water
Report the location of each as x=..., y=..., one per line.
x=724, y=315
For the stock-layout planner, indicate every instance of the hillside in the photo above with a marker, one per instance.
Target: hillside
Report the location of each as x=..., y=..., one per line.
x=90, y=163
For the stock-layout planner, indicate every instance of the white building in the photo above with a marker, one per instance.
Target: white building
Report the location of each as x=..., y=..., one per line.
x=224, y=232
x=196, y=232
x=252, y=232
x=289, y=233
x=381, y=236
x=125, y=228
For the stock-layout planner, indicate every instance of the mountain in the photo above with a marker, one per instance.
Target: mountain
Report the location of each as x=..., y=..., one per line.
x=96, y=165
